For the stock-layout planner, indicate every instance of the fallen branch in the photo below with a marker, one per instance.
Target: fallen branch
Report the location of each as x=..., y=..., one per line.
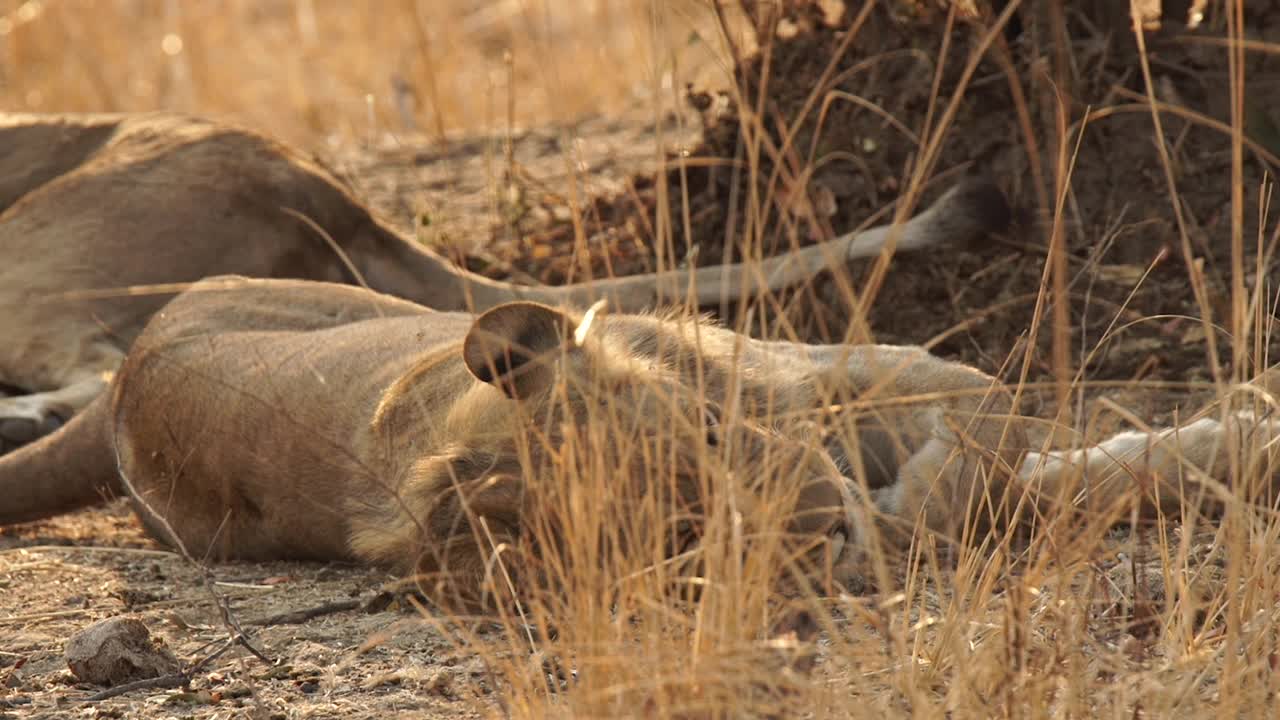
x=148, y=552
x=155, y=683
x=297, y=617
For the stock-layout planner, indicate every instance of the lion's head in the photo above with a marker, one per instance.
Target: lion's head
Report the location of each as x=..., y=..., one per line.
x=618, y=442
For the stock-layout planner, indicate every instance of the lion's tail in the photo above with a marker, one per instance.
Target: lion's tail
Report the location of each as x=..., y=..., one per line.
x=66, y=470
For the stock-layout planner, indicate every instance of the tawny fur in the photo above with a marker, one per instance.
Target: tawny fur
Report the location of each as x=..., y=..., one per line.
x=280, y=419
x=102, y=217
x=285, y=419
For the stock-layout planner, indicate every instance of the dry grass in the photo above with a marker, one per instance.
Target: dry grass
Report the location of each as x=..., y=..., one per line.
x=308, y=69
x=1070, y=619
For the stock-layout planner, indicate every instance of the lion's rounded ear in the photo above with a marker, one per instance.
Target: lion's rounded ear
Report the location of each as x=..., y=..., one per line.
x=513, y=345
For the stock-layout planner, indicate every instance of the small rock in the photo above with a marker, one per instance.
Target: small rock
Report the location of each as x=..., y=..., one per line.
x=118, y=650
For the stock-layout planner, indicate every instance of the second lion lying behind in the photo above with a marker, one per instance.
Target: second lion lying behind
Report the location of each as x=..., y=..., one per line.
x=280, y=419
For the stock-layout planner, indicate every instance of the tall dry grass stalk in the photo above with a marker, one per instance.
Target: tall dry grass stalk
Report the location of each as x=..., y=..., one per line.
x=1061, y=618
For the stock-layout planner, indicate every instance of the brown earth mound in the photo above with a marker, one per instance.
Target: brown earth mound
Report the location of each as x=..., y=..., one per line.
x=842, y=107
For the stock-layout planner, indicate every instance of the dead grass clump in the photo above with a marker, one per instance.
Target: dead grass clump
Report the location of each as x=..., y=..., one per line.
x=638, y=589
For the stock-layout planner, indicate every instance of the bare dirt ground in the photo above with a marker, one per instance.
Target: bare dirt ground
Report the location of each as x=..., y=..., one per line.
x=62, y=575
x=503, y=206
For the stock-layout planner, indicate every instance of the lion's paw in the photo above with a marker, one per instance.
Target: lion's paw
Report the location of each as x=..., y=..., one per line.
x=27, y=418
